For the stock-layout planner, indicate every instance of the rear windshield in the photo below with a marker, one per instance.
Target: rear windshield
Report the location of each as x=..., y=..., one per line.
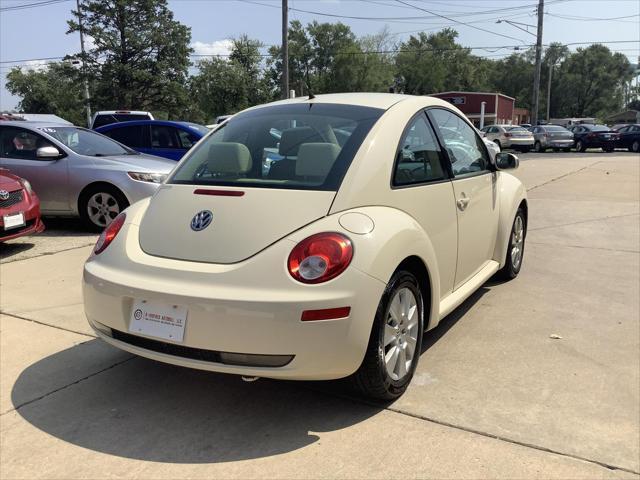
x=599, y=128
x=107, y=119
x=300, y=146
x=555, y=128
x=517, y=129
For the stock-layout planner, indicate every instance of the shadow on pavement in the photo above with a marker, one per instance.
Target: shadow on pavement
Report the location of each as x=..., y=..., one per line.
x=9, y=249
x=151, y=411
x=63, y=226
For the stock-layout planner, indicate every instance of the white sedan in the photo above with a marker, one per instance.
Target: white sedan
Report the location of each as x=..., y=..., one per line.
x=366, y=226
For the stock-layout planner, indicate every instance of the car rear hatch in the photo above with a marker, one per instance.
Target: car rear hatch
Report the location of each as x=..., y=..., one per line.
x=245, y=220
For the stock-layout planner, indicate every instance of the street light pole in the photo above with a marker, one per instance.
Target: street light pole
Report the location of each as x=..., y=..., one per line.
x=549, y=92
x=536, y=77
x=87, y=98
x=285, y=49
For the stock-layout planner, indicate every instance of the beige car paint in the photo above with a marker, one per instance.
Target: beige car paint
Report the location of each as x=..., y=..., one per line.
x=262, y=303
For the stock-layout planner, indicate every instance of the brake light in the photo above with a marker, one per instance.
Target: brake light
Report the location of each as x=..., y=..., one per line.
x=109, y=233
x=320, y=257
x=507, y=134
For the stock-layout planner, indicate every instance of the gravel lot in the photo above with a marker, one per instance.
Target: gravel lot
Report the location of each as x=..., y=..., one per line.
x=495, y=394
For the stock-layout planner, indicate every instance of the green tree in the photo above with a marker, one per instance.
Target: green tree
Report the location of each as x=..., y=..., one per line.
x=140, y=54
x=55, y=89
x=591, y=82
x=513, y=76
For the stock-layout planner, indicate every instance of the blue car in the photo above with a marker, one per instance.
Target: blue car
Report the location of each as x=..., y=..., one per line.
x=156, y=137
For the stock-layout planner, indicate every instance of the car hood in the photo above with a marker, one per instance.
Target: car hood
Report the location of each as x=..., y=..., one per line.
x=241, y=226
x=8, y=181
x=138, y=163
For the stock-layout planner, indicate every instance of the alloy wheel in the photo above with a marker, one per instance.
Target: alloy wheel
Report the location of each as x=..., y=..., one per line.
x=102, y=208
x=517, y=242
x=401, y=334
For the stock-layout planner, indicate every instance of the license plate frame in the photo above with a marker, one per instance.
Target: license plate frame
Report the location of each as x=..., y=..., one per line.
x=14, y=220
x=158, y=320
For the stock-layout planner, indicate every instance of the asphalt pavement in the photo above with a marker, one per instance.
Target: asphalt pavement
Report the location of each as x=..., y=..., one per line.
x=534, y=378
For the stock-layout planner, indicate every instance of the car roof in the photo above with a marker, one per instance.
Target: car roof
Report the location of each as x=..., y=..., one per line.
x=374, y=100
x=122, y=112
x=35, y=124
x=133, y=123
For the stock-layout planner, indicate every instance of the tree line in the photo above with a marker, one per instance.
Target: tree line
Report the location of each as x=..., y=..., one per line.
x=140, y=58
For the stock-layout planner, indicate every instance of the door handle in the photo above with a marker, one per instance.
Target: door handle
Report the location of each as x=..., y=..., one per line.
x=463, y=202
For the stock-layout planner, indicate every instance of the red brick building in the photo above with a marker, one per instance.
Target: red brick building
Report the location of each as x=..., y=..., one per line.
x=499, y=108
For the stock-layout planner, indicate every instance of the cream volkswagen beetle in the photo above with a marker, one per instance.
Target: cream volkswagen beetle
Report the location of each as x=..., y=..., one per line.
x=311, y=239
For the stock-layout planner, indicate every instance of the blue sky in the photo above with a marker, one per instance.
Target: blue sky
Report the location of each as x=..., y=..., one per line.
x=33, y=33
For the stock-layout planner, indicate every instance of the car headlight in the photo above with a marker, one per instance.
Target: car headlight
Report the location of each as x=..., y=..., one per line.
x=148, y=177
x=26, y=185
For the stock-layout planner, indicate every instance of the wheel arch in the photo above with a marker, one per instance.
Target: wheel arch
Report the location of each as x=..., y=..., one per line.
x=418, y=268
x=103, y=183
x=512, y=197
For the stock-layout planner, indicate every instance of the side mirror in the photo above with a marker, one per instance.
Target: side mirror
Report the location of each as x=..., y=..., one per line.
x=506, y=161
x=48, y=152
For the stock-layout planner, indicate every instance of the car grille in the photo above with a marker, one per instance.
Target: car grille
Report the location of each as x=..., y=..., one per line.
x=247, y=360
x=14, y=198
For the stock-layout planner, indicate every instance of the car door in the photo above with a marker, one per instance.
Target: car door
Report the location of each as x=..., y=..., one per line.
x=165, y=142
x=422, y=188
x=48, y=177
x=474, y=187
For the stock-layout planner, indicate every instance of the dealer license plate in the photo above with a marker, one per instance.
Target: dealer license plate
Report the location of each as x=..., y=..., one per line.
x=13, y=221
x=158, y=320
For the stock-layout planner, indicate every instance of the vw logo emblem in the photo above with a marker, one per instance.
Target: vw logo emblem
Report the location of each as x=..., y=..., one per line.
x=201, y=220
x=4, y=195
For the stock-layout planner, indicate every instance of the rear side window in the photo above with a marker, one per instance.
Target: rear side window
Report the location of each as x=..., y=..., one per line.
x=131, y=136
x=297, y=146
x=163, y=136
x=418, y=159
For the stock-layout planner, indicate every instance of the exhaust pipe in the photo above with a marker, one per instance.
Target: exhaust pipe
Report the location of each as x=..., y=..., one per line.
x=249, y=379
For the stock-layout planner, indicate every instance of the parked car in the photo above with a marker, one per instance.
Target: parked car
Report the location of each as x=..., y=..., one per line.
x=594, y=136
x=78, y=171
x=107, y=117
x=510, y=136
x=526, y=126
x=629, y=137
x=19, y=207
x=552, y=136
x=330, y=271
x=156, y=137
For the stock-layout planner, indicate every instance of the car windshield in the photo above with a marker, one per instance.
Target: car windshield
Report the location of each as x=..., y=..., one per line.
x=198, y=128
x=296, y=146
x=87, y=142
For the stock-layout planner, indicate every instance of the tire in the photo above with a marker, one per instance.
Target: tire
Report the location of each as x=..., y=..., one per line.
x=580, y=147
x=497, y=142
x=556, y=149
x=377, y=379
x=537, y=147
x=607, y=149
x=100, y=204
x=566, y=149
x=513, y=263
x=635, y=146
x=525, y=149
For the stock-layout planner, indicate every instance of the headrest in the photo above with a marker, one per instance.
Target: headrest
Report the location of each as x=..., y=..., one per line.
x=292, y=138
x=229, y=158
x=316, y=159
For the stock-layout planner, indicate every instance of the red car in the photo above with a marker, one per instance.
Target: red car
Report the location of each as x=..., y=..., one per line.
x=19, y=207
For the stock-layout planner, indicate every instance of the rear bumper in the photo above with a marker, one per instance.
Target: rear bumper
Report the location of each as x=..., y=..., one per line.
x=519, y=142
x=568, y=143
x=250, y=308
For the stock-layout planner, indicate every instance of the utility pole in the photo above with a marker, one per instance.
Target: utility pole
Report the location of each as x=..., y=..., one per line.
x=536, y=77
x=285, y=49
x=549, y=92
x=87, y=98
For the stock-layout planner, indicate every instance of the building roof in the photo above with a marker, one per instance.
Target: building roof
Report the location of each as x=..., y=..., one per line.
x=474, y=93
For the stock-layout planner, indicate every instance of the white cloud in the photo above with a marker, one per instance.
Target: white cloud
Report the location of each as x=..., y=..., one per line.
x=34, y=65
x=218, y=47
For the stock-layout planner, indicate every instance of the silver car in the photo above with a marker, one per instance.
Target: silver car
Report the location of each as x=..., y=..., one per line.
x=552, y=136
x=510, y=136
x=76, y=171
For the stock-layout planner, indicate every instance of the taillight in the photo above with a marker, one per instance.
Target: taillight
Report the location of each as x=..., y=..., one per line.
x=320, y=257
x=109, y=233
x=507, y=134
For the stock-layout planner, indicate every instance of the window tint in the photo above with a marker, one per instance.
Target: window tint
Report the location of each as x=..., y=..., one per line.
x=109, y=118
x=19, y=143
x=187, y=140
x=131, y=136
x=418, y=160
x=164, y=137
x=466, y=150
x=555, y=128
x=294, y=146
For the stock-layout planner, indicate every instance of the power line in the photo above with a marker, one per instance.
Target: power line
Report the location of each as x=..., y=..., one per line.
x=592, y=19
x=32, y=5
